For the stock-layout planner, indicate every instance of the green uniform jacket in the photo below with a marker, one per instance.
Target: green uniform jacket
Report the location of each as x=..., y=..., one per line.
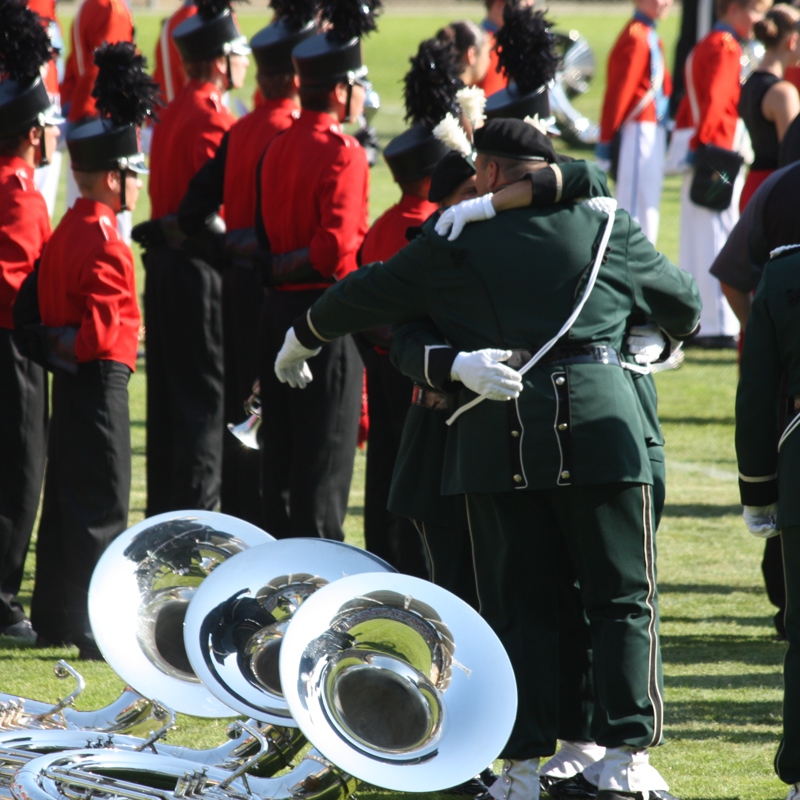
x=497, y=286
x=770, y=355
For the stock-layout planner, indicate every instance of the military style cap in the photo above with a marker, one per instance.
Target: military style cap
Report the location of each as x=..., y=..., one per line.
x=272, y=46
x=24, y=48
x=527, y=54
x=335, y=56
x=453, y=169
x=126, y=96
x=513, y=138
x=210, y=33
x=431, y=85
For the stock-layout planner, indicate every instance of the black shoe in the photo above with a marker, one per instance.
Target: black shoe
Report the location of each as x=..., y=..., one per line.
x=89, y=653
x=488, y=777
x=472, y=788
x=574, y=788
x=22, y=631
x=653, y=794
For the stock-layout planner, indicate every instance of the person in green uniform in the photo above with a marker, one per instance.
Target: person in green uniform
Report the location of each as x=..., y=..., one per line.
x=565, y=463
x=768, y=454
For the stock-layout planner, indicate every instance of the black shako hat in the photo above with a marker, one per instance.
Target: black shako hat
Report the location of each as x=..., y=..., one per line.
x=430, y=88
x=293, y=23
x=210, y=33
x=513, y=138
x=526, y=52
x=24, y=48
x=453, y=169
x=126, y=96
x=334, y=57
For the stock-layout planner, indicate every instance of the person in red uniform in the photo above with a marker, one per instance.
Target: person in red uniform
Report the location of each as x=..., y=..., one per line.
x=314, y=182
x=494, y=80
x=27, y=134
x=90, y=318
x=168, y=71
x=710, y=107
x=430, y=94
x=183, y=289
x=223, y=179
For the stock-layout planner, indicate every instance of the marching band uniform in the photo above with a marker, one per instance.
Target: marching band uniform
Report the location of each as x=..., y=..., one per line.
x=24, y=229
x=494, y=80
x=712, y=77
x=168, y=71
x=183, y=290
x=219, y=182
x=636, y=102
x=88, y=305
x=768, y=454
x=526, y=492
x=314, y=185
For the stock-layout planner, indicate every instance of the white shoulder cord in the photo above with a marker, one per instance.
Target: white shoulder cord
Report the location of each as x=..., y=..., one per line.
x=604, y=204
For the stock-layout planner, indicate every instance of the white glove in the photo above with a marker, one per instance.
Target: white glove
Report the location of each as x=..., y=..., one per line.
x=646, y=343
x=290, y=365
x=482, y=372
x=760, y=520
x=476, y=209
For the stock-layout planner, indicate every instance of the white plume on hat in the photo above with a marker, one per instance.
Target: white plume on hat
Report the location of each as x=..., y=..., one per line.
x=450, y=132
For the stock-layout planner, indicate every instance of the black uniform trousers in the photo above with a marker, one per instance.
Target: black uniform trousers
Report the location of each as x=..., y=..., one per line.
x=391, y=537
x=183, y=317
x=23, y=433
x=608, y=532
x=86, y=494
x=308, y=436
x=242, y=298
x=787, y=761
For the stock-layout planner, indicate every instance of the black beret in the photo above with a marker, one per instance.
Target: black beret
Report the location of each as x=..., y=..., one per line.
x=513, y=138
x=449, y=174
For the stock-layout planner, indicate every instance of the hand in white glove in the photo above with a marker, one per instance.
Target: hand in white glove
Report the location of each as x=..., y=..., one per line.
x=290, y=365
x=646, y=343
x=760, y=520
x=482, y=372
x=476, y=209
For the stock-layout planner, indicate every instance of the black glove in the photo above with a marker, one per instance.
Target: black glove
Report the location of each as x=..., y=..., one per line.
x=61, y=348
x=292, y=267
x=367, y=137
x=149, y=234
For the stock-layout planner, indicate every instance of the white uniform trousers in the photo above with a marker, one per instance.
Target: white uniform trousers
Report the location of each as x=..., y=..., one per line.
x=640, y=173
x=47, y=179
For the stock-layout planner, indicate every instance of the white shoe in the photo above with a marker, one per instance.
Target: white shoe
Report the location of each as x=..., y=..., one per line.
x=794, y=792
x=571, y=758
x=519, y=780
x=627, y=769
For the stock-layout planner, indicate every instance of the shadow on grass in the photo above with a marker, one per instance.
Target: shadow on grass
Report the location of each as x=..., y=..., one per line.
x=666, y=419
x=701, y=511
x=757, y=622
x=706, y=588
x=725, y=647
x=728, y=719
x=762, y=680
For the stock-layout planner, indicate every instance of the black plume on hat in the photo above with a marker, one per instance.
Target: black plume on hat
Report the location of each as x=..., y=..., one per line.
x=210, y=9
x=24, y=43
x=526, y=48
x=431, y=84
x=350, y=18
x=294, y=13
x=125, y=93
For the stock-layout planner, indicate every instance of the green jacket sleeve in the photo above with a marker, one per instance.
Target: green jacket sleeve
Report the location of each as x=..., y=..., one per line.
x=421, y=353
x=572, y=180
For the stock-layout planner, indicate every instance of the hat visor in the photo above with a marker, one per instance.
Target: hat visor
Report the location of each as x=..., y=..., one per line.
x=52, y=117
x=136, y=164
x=239, y=47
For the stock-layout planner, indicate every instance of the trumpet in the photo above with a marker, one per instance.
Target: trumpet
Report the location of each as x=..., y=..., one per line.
x=247, y=432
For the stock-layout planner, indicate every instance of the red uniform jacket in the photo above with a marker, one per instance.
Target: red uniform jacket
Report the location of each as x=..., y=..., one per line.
x=96, y=21
x=24, y=228
x=314, y=186
x=46, y=9
x=715, y=75
x=387, y=235
x=86, y=280
x=247, y=141
x=189, y=133
x=493, y=81
x=629, y=79
x=168, y=72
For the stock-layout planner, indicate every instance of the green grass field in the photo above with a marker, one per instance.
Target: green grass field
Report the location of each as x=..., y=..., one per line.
x=722, y=664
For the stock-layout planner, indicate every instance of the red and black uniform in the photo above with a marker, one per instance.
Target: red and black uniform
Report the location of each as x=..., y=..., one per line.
x=314, y=183
x=494, y=80
x=183, y=312
x=168, y=72
x=96, y=21
x=86, y=282
x=24, y=229
x=392, y=537
x=46, y=9
x=227, y=179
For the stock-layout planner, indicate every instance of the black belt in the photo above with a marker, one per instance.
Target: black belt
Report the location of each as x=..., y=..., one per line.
x=430, y=398
x=564, y=356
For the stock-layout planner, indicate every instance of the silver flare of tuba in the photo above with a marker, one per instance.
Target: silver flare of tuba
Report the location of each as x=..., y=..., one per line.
x=128, y=711
x=247, y=432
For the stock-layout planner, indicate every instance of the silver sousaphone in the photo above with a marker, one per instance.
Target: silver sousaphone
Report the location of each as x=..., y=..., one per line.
x=140, y=591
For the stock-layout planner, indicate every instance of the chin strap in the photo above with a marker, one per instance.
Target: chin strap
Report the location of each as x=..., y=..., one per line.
x=123, y=180
x=228, y=73
x=349, y=102
x=43, y=160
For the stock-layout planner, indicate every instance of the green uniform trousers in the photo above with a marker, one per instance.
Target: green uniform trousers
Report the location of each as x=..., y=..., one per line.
x=787, y=761
x=608, y=532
